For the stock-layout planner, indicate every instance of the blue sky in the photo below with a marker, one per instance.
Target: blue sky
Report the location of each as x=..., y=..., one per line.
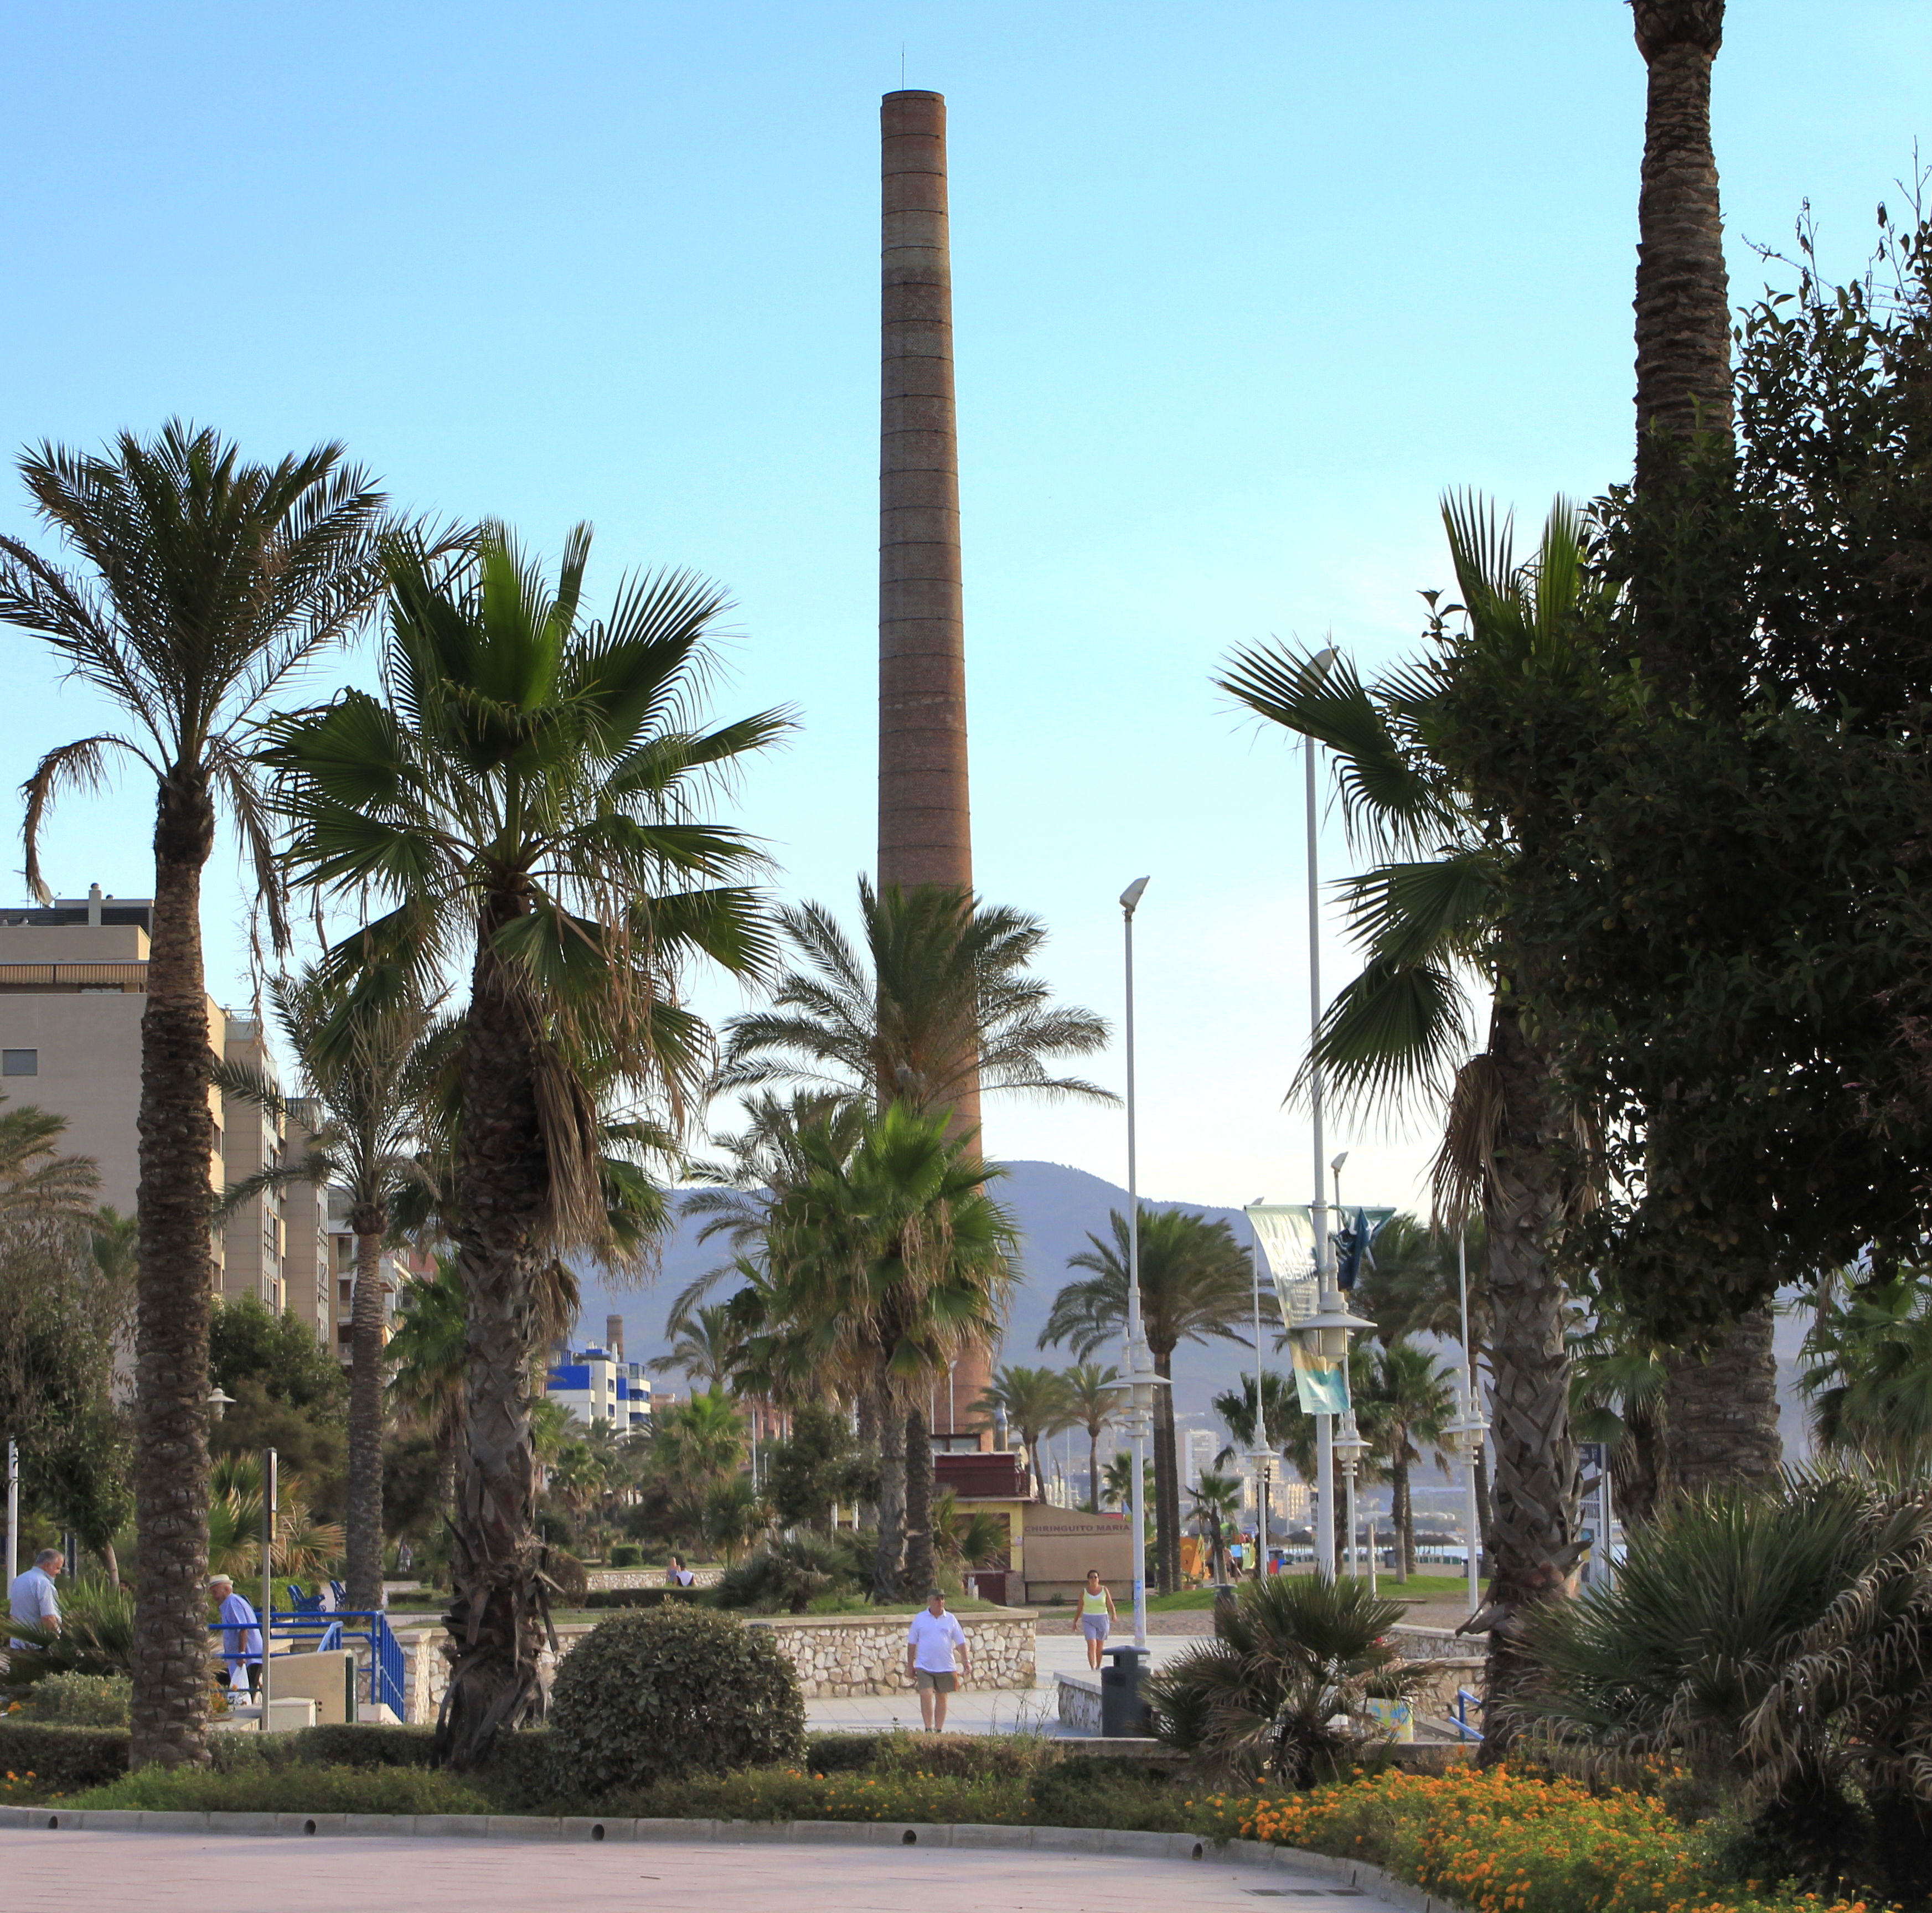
x=1239, y=290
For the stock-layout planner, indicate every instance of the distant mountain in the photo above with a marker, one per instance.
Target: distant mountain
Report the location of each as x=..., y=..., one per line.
x=1058, y=1208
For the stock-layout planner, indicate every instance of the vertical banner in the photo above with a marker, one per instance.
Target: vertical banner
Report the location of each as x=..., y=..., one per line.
x=1287, y=1237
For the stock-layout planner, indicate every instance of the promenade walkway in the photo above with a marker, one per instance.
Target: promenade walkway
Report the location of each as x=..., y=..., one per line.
x=54, y=1873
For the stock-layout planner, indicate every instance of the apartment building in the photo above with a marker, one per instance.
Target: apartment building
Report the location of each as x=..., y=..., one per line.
x=74, y=983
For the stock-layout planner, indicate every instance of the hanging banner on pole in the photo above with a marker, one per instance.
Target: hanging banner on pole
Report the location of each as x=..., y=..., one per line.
x=1320, y=1383
x=1287, y=1237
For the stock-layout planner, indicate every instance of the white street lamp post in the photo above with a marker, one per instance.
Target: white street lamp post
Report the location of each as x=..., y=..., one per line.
x=1262, y=1452
x=1139, y=1394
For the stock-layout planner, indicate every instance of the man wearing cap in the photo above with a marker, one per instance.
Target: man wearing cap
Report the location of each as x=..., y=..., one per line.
x=241, y=1635
x=931, y=1642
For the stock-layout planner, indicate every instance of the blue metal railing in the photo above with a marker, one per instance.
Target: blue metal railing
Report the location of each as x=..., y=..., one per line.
x=388, y=1671
x=1458, y=1717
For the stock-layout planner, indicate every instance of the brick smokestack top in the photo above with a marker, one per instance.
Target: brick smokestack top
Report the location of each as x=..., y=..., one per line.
x=614, y=1335
x=924, y=828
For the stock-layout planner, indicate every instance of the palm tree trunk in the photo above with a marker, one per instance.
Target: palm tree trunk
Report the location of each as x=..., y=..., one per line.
x=1399, y=1513
x=445, y=1471
x=920, y=1578
x=887, y=1562
x=176, y=1279
x=495, y=1611
x=1166, y=1479
x=1683, y=293
x=110, y=1563
x=1093, y=1471
x=1536, y=1518
x=365, y=1521
x=1486, y=1514
x=1720, y=1413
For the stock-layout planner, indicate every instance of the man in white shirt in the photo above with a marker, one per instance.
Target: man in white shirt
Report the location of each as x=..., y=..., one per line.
x=931, y=1642
x=31, y=1596
x=240, y=1637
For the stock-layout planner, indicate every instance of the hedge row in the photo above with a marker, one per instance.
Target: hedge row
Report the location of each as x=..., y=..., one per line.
x=62, y=1760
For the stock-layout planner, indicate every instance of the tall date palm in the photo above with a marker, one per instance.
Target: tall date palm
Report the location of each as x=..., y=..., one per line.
x=202, y=583
x=529, y=802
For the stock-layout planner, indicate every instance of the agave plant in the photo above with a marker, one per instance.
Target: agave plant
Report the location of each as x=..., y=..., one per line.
x=1283, y=1691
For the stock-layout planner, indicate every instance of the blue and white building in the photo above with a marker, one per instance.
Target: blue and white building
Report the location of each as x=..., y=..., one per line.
x=594, y=1385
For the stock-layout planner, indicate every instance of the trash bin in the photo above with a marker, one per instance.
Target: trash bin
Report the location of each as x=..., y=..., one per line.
x=1226, y=1602
x=1124, y=1714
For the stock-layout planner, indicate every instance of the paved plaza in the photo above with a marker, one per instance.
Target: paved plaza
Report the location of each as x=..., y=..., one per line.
x=54, y=1873
x=987, y=1709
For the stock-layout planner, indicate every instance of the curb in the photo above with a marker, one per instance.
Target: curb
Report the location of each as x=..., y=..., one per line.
x=1358, y=1873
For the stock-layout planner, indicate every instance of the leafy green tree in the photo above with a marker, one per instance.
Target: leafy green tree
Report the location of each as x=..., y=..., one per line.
x=818, y=1464
x=202, y=584
x=1034, y=1404
x=529, y=802
x=1445, y=783
x=1197, y=1285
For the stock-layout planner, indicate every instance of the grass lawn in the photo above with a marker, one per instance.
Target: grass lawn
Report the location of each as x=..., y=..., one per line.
x=1417, y=1587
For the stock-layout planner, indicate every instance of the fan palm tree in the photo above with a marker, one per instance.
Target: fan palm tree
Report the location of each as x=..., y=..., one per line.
x=1034, y=1403
x=1870, y=1377
x=1094, y=1401
x=1415, y=1396
x=1617, y=1380
x=1117, y=1483
x=962, y=1540
x=1430, y=914
x=204, y=583
x=362, y=1058
x=1197, y=1285
x=528, y=801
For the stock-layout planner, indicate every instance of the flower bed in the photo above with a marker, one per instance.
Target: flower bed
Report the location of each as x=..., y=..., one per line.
x=1497, y=1840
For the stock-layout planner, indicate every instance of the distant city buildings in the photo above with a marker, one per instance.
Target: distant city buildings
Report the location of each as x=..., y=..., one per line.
x=598, y=1385
x=1200, y=1447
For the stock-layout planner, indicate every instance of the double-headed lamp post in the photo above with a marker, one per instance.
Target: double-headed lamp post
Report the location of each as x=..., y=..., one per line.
x=1142, y=1382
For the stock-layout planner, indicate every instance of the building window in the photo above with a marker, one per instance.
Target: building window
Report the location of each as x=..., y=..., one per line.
x=19, y=1062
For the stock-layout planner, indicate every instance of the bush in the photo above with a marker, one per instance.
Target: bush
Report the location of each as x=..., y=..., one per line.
x=627, y=1553
x=61, y=1759
x=649, y=1597
x=787, y=1576
x=344, y=1744
x=670, y=1691
x=1087, y=1791
x=273, y=1786
x=83, y=1700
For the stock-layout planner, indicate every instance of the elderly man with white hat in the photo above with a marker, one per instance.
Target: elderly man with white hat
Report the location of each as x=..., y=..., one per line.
x=241, y=1635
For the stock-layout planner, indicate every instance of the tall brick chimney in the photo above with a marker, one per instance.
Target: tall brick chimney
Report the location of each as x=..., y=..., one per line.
x=925, y=830
x=613, y=1336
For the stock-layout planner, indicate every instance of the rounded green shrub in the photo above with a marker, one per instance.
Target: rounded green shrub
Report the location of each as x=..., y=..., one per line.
x=671, y=1690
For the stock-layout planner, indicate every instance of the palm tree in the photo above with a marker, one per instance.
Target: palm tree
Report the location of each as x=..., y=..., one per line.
x=1618, y=1383
x=1415, y=1399
x=707, y=1349
x=1683, y=292
x=1216, y=1497
x=886, y=1256
x=1094, y=1401
x=528, y=801
x=1870, y=1377
x=1035, y=1403
x=1433, y=910
x=1118, y=1482
x=205, y=583
x=941, y=1004
x=363, y=1059
x=1197, y=1285
x=977, y=1539
x=428, y=1358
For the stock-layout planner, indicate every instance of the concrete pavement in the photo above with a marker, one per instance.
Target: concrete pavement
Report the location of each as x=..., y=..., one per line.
x=53, y=1873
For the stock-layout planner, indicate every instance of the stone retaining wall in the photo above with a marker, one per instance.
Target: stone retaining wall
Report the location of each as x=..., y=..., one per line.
x=837, y=1655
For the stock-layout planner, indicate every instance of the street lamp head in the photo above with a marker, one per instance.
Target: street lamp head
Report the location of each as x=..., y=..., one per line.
x=1324, y=659
x=1131, y=895
x=219, y=1402
x=1335, y=1167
